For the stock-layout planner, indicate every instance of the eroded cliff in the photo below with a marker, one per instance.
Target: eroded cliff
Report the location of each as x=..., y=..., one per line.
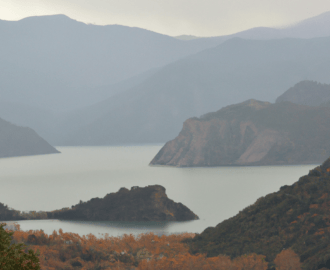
x=251, y=133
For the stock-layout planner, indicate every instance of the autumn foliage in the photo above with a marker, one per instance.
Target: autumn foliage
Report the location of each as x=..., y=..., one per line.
x=287, y=260
x=70, y=251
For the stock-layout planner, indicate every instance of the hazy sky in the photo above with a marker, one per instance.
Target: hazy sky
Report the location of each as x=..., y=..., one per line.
x=173, y=17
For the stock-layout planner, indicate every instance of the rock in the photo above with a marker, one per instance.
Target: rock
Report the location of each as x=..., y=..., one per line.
x=251, y=133
x=138, y=204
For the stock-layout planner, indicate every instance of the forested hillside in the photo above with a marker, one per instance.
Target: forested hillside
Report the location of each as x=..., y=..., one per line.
x=296, y=217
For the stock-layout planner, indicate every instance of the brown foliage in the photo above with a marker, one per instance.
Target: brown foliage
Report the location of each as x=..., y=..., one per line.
x=200, y=262
x=287, y=260
x=70, y=251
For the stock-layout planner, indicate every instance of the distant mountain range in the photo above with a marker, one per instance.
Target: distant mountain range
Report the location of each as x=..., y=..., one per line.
x=251, y=133
x=58, y=63
x=237, y=70
x=21, y=141
x=135, y=86
x=318, y=26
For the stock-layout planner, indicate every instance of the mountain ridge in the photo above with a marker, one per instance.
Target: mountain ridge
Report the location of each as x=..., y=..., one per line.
x=154, y=110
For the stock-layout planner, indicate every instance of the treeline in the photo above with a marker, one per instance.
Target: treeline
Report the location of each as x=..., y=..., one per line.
x=144, y=252
x=9, y=214
x=295, y=217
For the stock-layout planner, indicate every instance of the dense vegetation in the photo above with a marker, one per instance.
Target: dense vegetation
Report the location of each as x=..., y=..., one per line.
x=295, y=217
x=9, y=214
x=15, y=256
x=145, y=252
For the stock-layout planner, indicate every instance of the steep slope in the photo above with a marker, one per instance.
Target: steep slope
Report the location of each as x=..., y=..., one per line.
x=251, y=133
x=21, y=141
x=307, y=93
x=296, y=217
x=237, y=70
x=138, y=204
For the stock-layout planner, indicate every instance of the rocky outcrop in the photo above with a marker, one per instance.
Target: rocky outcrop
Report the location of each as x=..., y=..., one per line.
x=138, y=204
x=295, y=217
x=21, y=141
x=251, y=133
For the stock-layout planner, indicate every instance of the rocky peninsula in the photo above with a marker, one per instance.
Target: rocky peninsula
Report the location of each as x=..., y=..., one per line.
x=137, y=204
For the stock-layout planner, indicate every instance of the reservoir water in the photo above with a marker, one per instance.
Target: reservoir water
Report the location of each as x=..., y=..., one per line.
x=55, y=181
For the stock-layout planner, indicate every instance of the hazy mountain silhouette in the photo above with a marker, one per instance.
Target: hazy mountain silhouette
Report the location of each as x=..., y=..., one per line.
x=58, y=63
x=47, y=60
x=40, y=120
x=307, y=93
x=234, y=71
x=186, y=37
x=21, y=141
x=318, y=26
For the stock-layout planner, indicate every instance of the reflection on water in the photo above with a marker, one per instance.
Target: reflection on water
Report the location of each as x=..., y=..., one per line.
x=52, y=182
x=112, y=228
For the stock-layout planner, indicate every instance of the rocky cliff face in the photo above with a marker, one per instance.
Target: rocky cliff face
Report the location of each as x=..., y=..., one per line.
x=21, y=141
x=138, y=204
x=295, y=217
x=251, y=133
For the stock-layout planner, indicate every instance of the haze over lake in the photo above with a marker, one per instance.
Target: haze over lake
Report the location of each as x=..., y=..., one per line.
x=55, y=181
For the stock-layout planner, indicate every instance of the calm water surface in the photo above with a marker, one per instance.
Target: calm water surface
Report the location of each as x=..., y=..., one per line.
x=52, y=182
